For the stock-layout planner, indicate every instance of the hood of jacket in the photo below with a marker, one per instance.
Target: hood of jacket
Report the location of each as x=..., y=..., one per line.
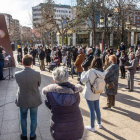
x=66, y=89
x=65, y=94
x=100, y=73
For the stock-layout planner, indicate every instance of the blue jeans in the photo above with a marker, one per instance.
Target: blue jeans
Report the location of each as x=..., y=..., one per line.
x=94, y=107
x=1, y=69
x=23, y=120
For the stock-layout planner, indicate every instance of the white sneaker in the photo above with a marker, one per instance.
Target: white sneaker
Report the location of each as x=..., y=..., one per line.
x=90, y=128
x=99, y=126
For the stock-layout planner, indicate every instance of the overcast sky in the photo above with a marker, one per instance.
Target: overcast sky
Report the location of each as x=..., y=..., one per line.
x=21, y=9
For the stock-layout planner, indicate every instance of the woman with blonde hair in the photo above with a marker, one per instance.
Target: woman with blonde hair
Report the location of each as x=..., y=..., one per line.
x=111, y=79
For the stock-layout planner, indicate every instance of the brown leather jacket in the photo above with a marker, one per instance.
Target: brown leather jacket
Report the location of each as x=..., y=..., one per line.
x=79, y=60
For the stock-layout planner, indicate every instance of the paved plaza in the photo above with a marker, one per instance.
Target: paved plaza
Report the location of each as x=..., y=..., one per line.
x=119, y=123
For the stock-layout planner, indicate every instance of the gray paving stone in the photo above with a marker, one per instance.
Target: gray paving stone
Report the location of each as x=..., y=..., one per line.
x=11, y=106
x=45, y=134
x=10, y=115
x=9, y=127
x=10, y=99
x=3, y=91
x=1, y=111
x=2, y=97
x=2, y=102
x=13, y=136
x=11, y=92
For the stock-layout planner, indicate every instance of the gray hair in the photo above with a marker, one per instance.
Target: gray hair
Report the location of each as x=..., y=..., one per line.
x=60, y=75
x=132, y=53
x=89, y=50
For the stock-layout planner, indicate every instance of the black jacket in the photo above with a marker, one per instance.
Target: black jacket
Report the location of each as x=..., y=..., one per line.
x=33, y=53
x=87, y=62
x=42, y=55
x=25, y=50
x=97, y=53
x=1, y=57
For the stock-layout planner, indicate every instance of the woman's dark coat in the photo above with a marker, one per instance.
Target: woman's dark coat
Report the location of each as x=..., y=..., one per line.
x=66, y=120
x=112, y=75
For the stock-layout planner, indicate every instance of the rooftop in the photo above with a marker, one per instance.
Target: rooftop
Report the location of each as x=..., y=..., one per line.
x=56, y=5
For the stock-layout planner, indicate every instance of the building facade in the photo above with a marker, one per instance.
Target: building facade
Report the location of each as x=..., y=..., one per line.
x=59, y=11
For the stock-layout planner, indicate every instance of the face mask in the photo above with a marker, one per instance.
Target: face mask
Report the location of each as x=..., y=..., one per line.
x=129, y=57
x=110, y=62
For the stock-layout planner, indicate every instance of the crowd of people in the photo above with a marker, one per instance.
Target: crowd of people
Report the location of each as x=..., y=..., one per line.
x=97, y=71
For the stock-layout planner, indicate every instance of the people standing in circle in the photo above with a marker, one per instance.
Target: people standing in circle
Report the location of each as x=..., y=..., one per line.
x=1, y=62
x=48, y=55
x=123, y=59
x=92, y=99
x=111, y=79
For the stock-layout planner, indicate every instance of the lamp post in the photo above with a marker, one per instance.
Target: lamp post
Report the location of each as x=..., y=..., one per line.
x=105, y=22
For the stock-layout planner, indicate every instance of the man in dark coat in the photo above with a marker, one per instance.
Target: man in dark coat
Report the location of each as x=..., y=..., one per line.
x=42, y=57
x=88, y=60
x=1, y=63
x=25, y=50
x=48, y=55
x=33, y=53
x=97, y=52
x=122, y=47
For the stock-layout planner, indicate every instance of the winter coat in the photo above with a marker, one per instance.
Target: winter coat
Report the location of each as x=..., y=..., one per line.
x=79, y=60
x=87, y=62
x=25, y=50
x=112, y=75
x=138, y=54
x=42, y=55
x=33, y=53
x=122, y=48
x=97, y=53
x=132, y=69
x=66, y=119
x=88, y=78
x=123, y=60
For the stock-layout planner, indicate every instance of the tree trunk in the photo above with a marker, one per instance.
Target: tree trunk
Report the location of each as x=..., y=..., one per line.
x=62, y=39
x=93, y=34
x=52, y=40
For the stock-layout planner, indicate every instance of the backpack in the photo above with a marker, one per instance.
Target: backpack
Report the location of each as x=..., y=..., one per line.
x=98, y=85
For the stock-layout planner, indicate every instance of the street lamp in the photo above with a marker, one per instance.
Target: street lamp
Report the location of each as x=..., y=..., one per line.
x=107, y=20
x=101, y=19
x=109, y=17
